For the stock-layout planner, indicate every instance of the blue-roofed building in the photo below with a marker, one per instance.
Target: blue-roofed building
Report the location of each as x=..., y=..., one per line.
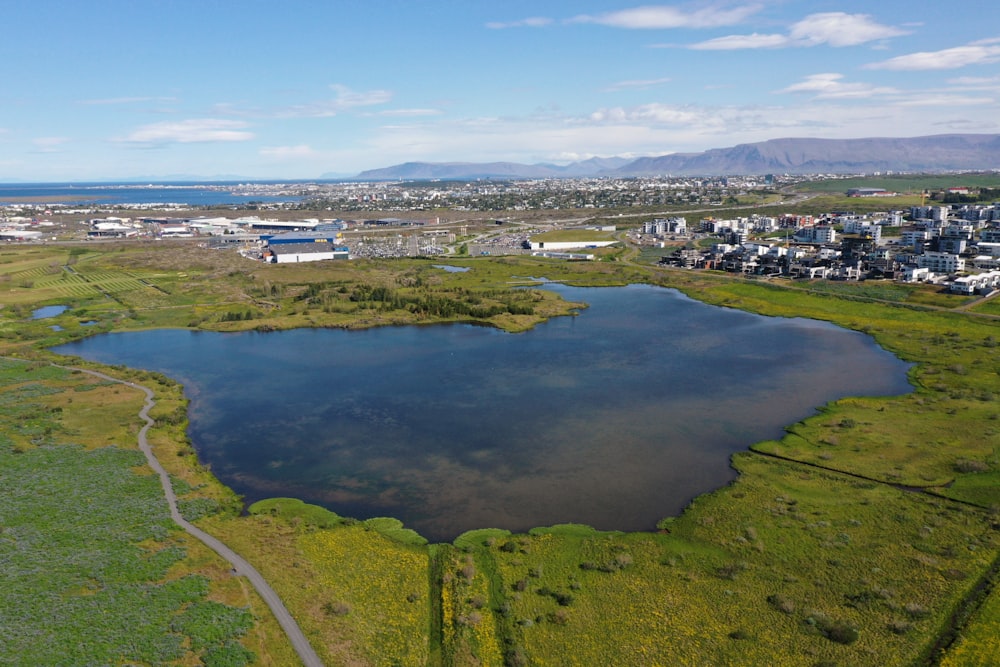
x=300, y=237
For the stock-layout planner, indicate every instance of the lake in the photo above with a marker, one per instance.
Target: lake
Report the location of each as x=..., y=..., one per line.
x=615, y=418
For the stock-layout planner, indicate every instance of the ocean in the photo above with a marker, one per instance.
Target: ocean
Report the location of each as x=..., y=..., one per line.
x=216, y=193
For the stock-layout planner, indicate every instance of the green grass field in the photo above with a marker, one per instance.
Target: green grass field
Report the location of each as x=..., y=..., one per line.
x=785, y=566
x=908, y=183
x=574, y=235
x=94, y=570
x=852, y=540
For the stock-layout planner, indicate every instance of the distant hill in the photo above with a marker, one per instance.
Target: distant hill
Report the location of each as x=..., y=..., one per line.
x=452, y=170
x=943, y=152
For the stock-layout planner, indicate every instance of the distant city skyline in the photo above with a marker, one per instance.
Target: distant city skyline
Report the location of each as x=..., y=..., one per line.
x=118, y=89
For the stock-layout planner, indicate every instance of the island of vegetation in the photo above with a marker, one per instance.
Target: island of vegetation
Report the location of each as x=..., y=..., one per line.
x=868, y=535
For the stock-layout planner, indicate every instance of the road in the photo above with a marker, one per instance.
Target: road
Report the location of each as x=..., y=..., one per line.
x=239, y=564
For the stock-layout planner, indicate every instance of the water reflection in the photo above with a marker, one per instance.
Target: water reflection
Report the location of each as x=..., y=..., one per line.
x=615, y=418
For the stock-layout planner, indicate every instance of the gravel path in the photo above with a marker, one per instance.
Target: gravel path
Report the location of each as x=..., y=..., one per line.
x=240, y=565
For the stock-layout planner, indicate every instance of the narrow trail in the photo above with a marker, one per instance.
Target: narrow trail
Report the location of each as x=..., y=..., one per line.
x=240, y=565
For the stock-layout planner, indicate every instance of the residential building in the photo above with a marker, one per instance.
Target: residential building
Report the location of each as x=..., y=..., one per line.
x=816, y=234
x=941, y=262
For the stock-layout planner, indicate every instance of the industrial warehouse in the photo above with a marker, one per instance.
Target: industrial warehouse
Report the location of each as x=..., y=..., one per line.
x=293, y=247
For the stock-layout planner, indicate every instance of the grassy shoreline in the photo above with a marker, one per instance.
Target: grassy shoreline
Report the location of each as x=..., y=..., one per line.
x=778, y=567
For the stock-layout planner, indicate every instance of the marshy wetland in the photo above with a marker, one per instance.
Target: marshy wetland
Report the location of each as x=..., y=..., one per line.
x=865, y=534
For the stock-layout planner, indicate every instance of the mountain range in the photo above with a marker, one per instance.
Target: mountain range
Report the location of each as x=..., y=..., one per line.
x=937, y=153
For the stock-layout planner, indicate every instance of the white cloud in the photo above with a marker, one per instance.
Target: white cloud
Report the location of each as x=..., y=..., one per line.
x=975, y=80
x=288, y=152
x=531, y=22
x=345, y=100
x=830, y=86
x=988, y=84
x=836, y=29
x=126, y=100
x=733, y=42
x=663, y=16
x=976, y=53
x=410, y=112
x=939, y=99
x=652, y=129
x=966, y=125
x=840, y=29
x=196, y=130
x=660, y=114
x=49, y=144
x=640, y=84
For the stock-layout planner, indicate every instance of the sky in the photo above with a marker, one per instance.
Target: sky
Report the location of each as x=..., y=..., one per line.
x=295, y=89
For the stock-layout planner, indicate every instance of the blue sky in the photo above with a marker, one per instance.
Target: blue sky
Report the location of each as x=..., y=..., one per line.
x=296, y=89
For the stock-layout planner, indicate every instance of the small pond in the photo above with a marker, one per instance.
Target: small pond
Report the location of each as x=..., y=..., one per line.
x=48, y=311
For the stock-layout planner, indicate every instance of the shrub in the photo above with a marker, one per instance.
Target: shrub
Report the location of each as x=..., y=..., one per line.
x=781, y=603
x=563, y=599
x=471, y=619
x=230, y=654
x=211, y=624
x=840, y=632
x=969, y=465
x=196, y=508
x=622, y=561
x=899, y=627
x=336, y=609
x=515, y=657
x=730, y=570
x=862, y=599
x=559, y=617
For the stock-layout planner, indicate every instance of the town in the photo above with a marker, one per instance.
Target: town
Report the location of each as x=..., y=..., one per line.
x=953, y=240
x=957, y=246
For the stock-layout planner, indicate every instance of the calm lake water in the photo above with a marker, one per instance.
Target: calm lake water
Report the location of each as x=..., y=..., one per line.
x=615, y=418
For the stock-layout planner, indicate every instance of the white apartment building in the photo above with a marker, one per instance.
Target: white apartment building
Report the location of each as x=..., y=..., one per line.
x=663, y=226
x=991, y=235
x=911, y=237
x=864, y=228
x=941, y=262
x=991, y=249
x=816, y=234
